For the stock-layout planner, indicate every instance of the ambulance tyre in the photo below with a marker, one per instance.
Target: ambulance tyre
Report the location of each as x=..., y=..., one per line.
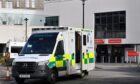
x=19, y=80
x=53, y=76
x=83, y=74
x=86, y=73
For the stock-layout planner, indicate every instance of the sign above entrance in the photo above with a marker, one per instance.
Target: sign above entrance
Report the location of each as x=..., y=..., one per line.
x=114, y=41
x=133, y=53
x=99, y=41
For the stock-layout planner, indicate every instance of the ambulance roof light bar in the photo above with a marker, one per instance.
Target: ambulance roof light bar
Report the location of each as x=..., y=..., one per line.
x=54, y=28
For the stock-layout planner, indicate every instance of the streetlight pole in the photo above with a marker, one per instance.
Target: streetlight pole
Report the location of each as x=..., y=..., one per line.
x=26, y=20
x=81, y=42
x=83, y=3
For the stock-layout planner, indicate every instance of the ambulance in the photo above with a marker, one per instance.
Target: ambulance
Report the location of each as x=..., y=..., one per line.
x=51, y=52
x=12, y=49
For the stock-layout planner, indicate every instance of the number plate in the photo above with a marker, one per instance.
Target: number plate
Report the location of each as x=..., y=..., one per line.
x=24, y=76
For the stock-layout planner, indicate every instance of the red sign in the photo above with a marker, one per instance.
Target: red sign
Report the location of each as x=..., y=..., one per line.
x=133, y=53
x=115, y=41
x=99, y=41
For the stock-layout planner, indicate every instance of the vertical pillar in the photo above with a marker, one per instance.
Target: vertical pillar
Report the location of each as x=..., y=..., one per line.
x=109, y=53
x=135, y=49
x=127, y=58
x=115, y=59
x=130, y=60
x=122, y=59
x=108, y=59
x=102, y=59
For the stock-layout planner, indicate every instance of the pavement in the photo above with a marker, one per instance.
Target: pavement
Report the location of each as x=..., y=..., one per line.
x=103, y=74
x=3, y=70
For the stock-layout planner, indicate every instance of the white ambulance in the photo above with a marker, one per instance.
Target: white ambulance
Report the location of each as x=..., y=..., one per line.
x=13, y=48
x=51, y=52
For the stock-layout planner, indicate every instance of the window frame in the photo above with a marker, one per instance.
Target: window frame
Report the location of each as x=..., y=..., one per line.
x=111, y=25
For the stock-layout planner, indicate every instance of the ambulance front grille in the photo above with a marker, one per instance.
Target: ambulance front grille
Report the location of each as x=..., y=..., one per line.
x=26, y=67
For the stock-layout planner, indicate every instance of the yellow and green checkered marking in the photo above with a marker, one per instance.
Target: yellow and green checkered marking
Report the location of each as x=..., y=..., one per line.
x=60, y=61
x=72, y=59
x=88, y=58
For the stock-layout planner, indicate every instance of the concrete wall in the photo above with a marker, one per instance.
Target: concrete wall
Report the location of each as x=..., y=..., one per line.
x=70, y=14
x=17, y=16
x=14, y=33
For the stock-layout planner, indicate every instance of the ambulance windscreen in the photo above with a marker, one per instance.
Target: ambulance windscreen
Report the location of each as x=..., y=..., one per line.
x=42, y=43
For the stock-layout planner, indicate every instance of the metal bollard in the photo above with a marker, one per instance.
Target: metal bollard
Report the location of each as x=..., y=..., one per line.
x=130, y=60
x=102, y=59
x=115, y=59
x=122, y=60
x=108, y=59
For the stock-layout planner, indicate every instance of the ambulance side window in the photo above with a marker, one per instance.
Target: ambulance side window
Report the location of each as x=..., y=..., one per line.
x=84, y=40
x=60, y=48
x=87, y=38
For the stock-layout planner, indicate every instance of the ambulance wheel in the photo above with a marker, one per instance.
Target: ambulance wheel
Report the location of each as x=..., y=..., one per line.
x=20, y=81
x=83, y=74
x=53, y=77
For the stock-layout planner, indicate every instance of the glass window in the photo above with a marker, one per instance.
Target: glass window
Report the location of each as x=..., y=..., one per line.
x=87, y=38
x=110, y=24
x=122, y=19
x=16, y=49
x=103, y=20
x=109, y=19
x=109, y=27
x=17, y=3
x=84, y=40
x=99, y=28
x=27, y=3
x=97, y=20
x=60, y=49
x=9, y=4
x=33, y=3
x=0, y=4
x=116, y=19
x=40, y=44
x=52, y=21
x=122, y=27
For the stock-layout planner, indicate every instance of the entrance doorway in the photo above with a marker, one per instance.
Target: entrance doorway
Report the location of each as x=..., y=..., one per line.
x=117, y=54
x=110, y=53
x=102, y=53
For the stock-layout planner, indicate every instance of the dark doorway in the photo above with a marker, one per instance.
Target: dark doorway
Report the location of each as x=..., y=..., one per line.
x=77, y=46
x=117, y=53
x=110, y=53
x=102, y=53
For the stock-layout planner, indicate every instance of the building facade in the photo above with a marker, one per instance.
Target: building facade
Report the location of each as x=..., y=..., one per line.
x=12, y=19
x=22, y=4
x=115, y=22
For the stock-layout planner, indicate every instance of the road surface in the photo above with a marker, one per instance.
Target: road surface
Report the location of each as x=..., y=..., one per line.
x=103, y=74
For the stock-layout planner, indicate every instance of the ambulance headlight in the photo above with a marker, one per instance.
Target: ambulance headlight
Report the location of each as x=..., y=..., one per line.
x=43, y=62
